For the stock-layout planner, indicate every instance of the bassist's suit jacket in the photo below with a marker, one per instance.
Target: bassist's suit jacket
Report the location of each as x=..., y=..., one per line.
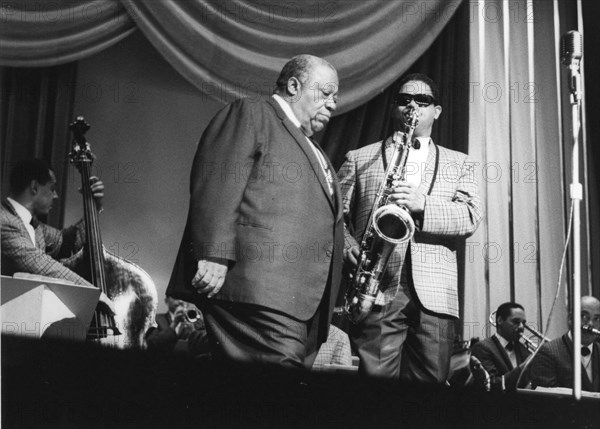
x=50, y=256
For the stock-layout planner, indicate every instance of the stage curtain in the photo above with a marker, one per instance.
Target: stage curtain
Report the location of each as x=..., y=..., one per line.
x=40, y=34
x=37, y=106
x=371, y=122
x=236, y=48
x=519, y=131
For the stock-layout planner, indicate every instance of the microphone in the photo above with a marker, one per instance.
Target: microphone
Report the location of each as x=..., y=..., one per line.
x=571, y=48
x=571, y=52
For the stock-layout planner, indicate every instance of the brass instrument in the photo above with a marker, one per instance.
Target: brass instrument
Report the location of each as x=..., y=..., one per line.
x=527, y=342
x=192, y=315
x=388, y=226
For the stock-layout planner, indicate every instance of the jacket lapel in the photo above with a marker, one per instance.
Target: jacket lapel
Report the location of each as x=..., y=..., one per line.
x=586, y=383
x=302, y=141
x=596, y=367
x=502, y=353
x=430, y=170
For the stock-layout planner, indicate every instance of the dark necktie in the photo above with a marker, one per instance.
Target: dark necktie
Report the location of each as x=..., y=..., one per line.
x=585, y=351
x=34, y=222
x=510, y=346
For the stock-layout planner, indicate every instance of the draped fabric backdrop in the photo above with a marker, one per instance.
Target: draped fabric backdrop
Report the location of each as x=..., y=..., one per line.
x=36, y=106
x=501, y=88
x=519, y=130
x=230, y=49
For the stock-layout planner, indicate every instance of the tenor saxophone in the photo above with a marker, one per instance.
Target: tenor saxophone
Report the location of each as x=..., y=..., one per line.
x=388, y=226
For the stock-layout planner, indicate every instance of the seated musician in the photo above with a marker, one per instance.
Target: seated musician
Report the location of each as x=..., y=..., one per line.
x=553, y=366
x=502, y=355
x=176, y=332
x=31, y=246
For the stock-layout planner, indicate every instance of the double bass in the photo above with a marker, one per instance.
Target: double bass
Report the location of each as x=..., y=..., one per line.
x=128, y=286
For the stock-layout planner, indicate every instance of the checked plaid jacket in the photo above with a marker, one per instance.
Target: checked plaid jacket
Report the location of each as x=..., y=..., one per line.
x=20, y=255
x=452, y=212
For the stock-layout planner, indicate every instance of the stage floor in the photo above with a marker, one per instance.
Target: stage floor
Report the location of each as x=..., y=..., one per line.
x=51, y=384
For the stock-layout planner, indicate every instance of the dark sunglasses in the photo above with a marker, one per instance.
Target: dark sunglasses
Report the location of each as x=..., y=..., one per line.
x=422, y=100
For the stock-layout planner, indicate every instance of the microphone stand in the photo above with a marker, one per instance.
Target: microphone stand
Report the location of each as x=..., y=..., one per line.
x=576, y=192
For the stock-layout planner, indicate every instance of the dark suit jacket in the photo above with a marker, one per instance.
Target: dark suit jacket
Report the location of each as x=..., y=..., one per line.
x=163, y=337
x=259, y=199
x=496, y=362
x=49, y=258
x=553, y=366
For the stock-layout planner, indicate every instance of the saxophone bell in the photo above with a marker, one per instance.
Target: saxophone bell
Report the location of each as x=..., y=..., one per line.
x=393, y=224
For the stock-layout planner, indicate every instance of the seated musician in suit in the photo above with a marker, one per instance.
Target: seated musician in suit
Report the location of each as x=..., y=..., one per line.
x=502, y=355
x=31, y=246
x=553, y=366
x=177, y=333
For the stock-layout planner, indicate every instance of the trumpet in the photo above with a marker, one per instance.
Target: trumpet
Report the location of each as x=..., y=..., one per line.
x=590, y=329
x=527, y=342
x=192, y=315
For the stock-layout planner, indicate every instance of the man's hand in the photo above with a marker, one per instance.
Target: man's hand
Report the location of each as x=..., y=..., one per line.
x=351, y=256
x=210, y=276
x=408, y=195
x=97, y=188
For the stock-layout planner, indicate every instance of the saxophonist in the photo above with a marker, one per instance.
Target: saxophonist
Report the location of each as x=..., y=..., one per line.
x=409, y=332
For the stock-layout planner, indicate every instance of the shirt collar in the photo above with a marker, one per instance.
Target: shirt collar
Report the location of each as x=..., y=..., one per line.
x=503, y=341
x=589, y=346
x=21, y=210
x=287, y=110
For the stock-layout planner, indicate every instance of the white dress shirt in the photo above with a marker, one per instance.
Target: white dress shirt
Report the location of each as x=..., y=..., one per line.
x=292, y=117
x=511, y=353
x=417, y=161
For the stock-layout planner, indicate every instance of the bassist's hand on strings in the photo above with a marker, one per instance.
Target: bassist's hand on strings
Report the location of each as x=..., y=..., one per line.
x=97, y=188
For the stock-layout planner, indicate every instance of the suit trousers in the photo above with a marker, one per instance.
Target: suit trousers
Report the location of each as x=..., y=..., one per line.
x=241, y=333
x=400, y=340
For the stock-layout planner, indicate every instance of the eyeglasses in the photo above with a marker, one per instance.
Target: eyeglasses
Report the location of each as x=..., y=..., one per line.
x=422, y=100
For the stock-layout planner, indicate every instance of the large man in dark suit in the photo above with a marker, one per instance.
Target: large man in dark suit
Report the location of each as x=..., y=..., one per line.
x=262, y=250
x=410, y=332
x=31, y=246
x=553, y=365
x=503, y=356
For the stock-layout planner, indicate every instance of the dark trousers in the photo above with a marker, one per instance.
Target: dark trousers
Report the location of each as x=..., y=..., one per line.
x=399, y=340
x=251, y=334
